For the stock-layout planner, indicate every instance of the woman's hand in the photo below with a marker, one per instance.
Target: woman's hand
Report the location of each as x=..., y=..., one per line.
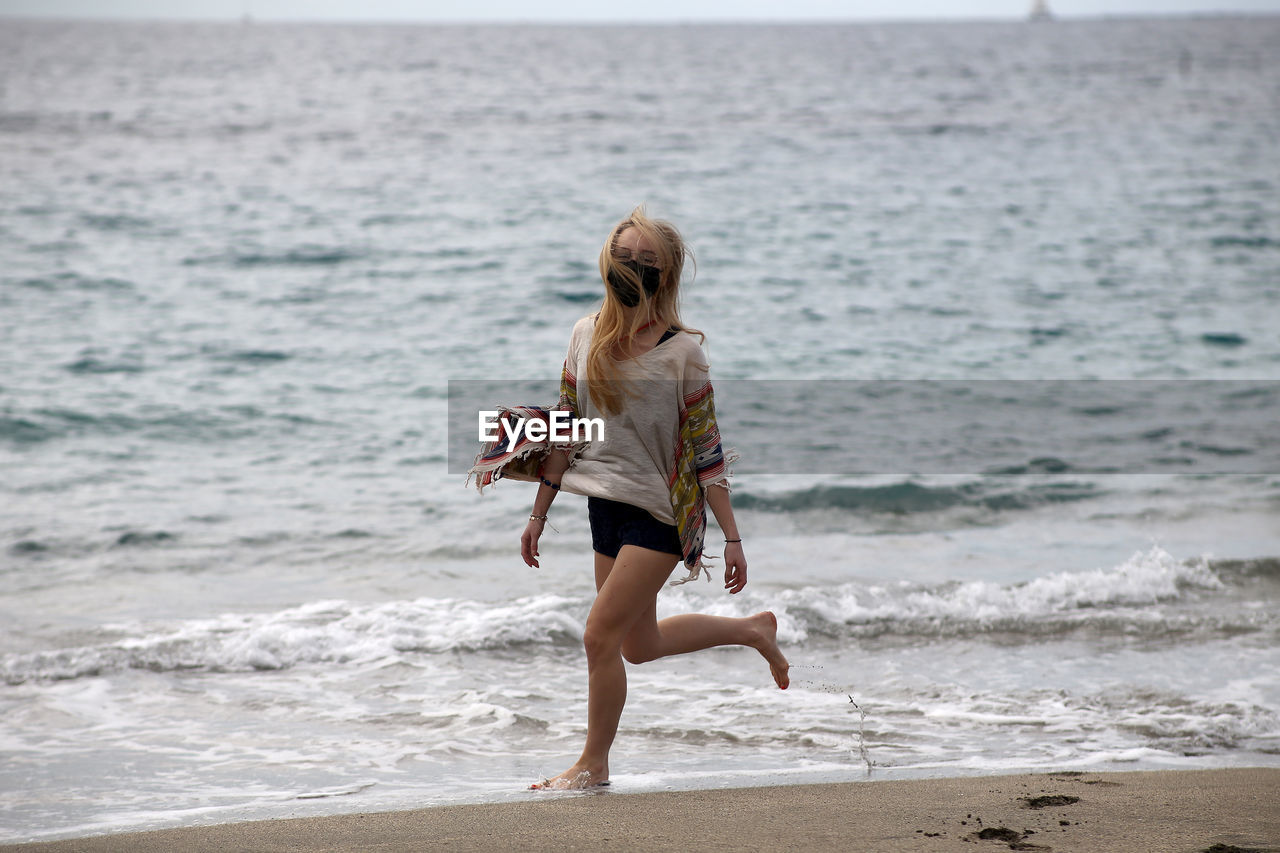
x=735, y=567
x=529, y=541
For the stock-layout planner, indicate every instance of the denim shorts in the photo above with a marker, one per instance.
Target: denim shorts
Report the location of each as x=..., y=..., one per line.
x=614, y=524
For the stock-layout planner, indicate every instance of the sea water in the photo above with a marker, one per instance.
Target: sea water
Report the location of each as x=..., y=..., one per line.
x=240, y=264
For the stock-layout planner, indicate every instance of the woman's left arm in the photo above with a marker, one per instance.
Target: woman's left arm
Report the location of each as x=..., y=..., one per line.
x=735, y=561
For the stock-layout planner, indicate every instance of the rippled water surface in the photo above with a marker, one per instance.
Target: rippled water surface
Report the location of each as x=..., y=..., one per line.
x=239, y=265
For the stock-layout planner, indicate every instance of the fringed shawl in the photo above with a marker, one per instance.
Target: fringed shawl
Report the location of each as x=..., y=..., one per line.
x=523, y=461
x=698, y=464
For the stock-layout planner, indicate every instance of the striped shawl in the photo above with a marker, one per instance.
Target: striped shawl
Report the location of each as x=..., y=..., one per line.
x=699, y=461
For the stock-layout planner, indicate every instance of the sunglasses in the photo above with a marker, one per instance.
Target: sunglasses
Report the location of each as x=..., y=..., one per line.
x=644, y=259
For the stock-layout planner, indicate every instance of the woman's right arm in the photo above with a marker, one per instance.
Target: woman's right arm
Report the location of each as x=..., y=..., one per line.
x=557, y=461
x=552, y=470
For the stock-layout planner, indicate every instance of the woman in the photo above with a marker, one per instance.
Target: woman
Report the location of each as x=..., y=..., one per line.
x=647, y=481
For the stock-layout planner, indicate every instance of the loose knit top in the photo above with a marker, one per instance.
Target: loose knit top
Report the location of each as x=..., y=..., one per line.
x=633, y=462
x=659, y=453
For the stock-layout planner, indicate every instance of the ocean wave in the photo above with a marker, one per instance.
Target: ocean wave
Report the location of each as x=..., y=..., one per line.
x=115, y=221
x=1260, y=567
x=321, y=632
x=910, y=497
x=921, y=725
x=88, y=365
x=1113, y=721
x=144, y=537
x=1244, y=241
x=1151, y=595
x=305, y=256
x=173, y=424
x=20, y=430
x=1122, y=599
x=253, y=356
x=70, y=280
x=1224, y=339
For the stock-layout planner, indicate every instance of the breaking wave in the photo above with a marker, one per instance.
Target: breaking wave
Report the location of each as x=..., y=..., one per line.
x=1151, y=594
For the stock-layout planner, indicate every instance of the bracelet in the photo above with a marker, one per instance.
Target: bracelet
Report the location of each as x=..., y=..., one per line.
x=547, y=482
x=543, y=519
x=727, y=541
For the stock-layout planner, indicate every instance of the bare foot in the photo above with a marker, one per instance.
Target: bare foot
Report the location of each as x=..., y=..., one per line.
x=767, y=644
x=576, y=778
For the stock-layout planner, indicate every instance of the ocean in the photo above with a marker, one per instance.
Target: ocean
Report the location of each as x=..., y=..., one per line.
x=242, y=263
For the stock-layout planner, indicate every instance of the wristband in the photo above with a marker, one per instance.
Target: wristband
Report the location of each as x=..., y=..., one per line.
x=727, y=541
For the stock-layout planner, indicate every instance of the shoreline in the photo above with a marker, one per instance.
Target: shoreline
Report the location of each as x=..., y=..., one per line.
x=1173, y=810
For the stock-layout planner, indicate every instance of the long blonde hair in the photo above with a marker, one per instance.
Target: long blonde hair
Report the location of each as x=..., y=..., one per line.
x=604, y=380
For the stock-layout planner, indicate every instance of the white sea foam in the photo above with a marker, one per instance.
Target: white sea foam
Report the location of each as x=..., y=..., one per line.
x=1124, y=596
x=342, y=633
x=320, y=632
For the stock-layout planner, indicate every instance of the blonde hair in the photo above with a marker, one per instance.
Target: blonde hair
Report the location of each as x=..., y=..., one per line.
x=604, y=380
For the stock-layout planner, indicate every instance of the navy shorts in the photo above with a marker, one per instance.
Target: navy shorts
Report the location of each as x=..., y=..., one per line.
x=614, y=524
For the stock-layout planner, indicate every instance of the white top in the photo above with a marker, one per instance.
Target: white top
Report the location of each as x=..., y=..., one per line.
x=635, y=458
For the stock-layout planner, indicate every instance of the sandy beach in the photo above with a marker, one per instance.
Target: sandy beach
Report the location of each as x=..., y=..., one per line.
x=1207, y=810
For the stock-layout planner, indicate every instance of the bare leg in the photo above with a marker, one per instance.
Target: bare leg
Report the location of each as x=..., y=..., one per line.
x=690, y=632
x=619, y=626
x=627, y=589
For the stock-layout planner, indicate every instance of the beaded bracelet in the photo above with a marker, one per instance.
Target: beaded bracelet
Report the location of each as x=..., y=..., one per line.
x=547, y=482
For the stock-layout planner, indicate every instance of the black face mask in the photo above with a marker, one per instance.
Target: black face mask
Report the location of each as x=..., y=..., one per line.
x=626, y=291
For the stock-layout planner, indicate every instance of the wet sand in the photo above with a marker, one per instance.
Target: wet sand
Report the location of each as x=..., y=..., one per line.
x=1192, y=811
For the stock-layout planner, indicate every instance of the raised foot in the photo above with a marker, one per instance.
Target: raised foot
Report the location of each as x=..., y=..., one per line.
x=573, y=779
x=766, y=625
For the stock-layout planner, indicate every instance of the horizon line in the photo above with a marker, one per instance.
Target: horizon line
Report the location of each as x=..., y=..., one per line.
x=249, y=19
